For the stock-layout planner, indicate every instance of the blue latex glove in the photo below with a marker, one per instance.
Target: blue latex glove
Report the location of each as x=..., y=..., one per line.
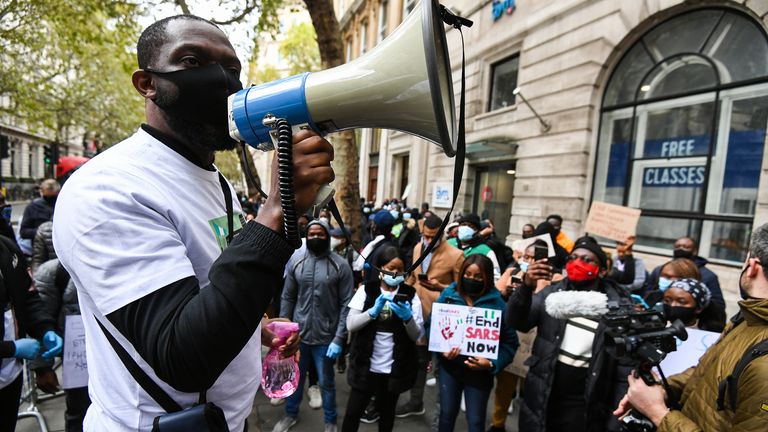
x=333, y=351
x=27, y=348
x=381, y=300
x=402, y=310
x=53, y=344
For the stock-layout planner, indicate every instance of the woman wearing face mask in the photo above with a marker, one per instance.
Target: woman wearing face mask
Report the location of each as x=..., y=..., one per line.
x=690, y=301
x=678, y=268
x=385, y=318
x=472, y=376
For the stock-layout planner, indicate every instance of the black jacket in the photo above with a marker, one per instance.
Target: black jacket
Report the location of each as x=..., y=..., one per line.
x=405, y=359
x=37, y=212
x=29, y=309
x=606, y=378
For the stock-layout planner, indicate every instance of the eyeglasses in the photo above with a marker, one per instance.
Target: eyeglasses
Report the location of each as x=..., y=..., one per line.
x=584, y=258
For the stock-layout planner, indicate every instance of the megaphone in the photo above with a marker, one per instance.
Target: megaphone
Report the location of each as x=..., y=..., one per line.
x=403, y=84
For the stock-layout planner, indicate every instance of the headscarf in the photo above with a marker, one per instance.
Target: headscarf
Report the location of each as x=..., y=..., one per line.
x=700, y=293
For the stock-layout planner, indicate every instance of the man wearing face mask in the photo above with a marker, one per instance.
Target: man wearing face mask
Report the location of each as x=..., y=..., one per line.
x=167, y=273
x=40, y=210
x=317, y=289
x=686, y=247
x=714, y=396
x=470, y=242
x=572, y=381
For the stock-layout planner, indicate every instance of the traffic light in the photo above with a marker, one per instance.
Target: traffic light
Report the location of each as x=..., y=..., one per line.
x=48, y=154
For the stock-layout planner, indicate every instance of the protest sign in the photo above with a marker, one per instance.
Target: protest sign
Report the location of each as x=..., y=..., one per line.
x=476, y=331
x=612, y=221
x=522, y=244
x=689, y=351
x=75, y=373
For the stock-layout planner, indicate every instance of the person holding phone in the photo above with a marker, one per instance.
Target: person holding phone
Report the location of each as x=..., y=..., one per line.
x=385, y=317
x=472, y=376
x=572, y=383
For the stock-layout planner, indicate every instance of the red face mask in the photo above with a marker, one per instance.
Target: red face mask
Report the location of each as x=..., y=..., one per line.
x=579, y=271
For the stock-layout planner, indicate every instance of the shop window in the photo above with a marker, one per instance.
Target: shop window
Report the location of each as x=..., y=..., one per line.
x=503, y=83
x=683, y=130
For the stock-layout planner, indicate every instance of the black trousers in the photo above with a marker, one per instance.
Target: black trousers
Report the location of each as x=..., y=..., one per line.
x=77, y=401
x=9, y=404
x=378, y=385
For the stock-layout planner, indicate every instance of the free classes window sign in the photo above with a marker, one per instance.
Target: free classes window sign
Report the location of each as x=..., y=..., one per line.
x=675, y=176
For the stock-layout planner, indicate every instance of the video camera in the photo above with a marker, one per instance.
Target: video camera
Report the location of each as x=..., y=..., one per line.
x=642, y=337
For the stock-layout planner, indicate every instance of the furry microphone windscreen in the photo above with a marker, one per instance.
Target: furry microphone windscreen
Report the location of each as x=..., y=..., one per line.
x=571, y=304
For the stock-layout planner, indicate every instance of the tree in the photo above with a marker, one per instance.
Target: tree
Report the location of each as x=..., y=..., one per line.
x=299, y=49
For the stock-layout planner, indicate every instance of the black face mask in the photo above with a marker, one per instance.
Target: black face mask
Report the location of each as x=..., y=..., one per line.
x=682, y=253
x=201, y=95
x=318, y=245
x=471, y=287
x=51, y=200
x=684, y=314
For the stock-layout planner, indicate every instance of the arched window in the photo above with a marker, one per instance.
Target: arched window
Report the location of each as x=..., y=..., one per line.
x=682, y=132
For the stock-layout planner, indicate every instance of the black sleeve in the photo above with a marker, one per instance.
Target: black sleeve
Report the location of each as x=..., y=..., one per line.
x=189, y=336
x=27, y=229
x=519, y=309
x=7, y=349
x=627, y=276
x=29, y=308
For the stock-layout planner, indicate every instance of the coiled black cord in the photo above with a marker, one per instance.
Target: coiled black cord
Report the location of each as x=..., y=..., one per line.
x=285, y=181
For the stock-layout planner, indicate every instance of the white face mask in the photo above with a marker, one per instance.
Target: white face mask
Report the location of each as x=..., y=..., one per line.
x=325, y=219
x=335, y=242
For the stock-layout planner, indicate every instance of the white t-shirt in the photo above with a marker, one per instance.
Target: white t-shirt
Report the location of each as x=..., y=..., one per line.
x=131, y=221
x=10, y=368
x=384, y=343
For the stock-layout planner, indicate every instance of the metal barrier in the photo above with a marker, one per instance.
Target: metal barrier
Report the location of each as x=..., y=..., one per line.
x=30, y=397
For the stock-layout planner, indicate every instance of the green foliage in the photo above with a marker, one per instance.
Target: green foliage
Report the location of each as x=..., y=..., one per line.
x=300, y=50
x=228, y=162
x=66, y=66
x=262, y=74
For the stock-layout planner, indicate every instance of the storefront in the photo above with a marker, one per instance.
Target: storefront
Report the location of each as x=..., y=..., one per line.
x=682, y=131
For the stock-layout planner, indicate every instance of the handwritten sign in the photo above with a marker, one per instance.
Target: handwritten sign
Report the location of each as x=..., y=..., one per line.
x=688, y=352
x=442, y=195
x=612, y=221
x=75, y=373
x=476, y=331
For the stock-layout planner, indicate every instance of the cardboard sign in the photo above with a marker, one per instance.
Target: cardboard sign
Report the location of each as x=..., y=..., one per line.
x=75, y=373
x=612, y=221
x=518, y=366
x=688, y=352
x=476, y=331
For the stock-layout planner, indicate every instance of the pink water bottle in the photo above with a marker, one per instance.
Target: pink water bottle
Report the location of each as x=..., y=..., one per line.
x=280, y=376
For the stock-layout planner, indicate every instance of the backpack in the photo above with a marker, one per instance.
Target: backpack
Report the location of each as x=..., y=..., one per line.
x=729, y=386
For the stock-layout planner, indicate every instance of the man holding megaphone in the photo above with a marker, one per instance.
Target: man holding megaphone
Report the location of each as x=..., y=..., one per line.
x=173, y=283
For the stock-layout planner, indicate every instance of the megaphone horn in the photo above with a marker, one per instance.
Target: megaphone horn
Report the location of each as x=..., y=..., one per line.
x=403, y=84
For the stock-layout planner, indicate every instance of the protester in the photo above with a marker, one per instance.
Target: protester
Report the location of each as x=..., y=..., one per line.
x=6, y=210
x=471, y=243
x=143, y=229
x=25, y=312
x=626, y=264
x=39, y=210
x=689, y=301
x=572, y=382
x=679, y=268
x=438, y=270
x=382, y=357
x=468, y=375
x=316, y=292
x=408, y=236
x=340, y=245
x=528, y=231
x=560, y=237
x=382, y=237
x=561, y=254
x=712, y=399
x=503, y=253
x=686, y=247
x=58, y=293
x=451, y=230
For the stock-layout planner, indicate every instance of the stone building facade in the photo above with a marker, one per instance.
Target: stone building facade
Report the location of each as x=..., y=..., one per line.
x=660, y=105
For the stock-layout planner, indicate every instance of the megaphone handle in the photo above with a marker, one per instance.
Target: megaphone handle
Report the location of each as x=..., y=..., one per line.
x=285, y=181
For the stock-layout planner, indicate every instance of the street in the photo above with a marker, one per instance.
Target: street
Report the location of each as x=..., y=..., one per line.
x=264, y=415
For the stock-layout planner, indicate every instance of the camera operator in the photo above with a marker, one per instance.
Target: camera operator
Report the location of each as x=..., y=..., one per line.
x=700, y=385
x=572, y=383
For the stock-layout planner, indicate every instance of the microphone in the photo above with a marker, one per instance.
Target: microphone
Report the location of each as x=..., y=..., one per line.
x=572, y=304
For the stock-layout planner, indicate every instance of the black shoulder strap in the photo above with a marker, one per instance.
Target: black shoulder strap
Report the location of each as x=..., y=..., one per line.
x=228, y=204
x=141, y=377
x=730, y=385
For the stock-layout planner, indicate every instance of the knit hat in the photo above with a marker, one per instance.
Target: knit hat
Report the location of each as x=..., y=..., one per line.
x=700, y=293
x=590, y=244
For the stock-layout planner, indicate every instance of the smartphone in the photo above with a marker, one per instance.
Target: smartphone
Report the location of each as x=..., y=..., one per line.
x=540, y=252
x=401, y=298
x=423, y=277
